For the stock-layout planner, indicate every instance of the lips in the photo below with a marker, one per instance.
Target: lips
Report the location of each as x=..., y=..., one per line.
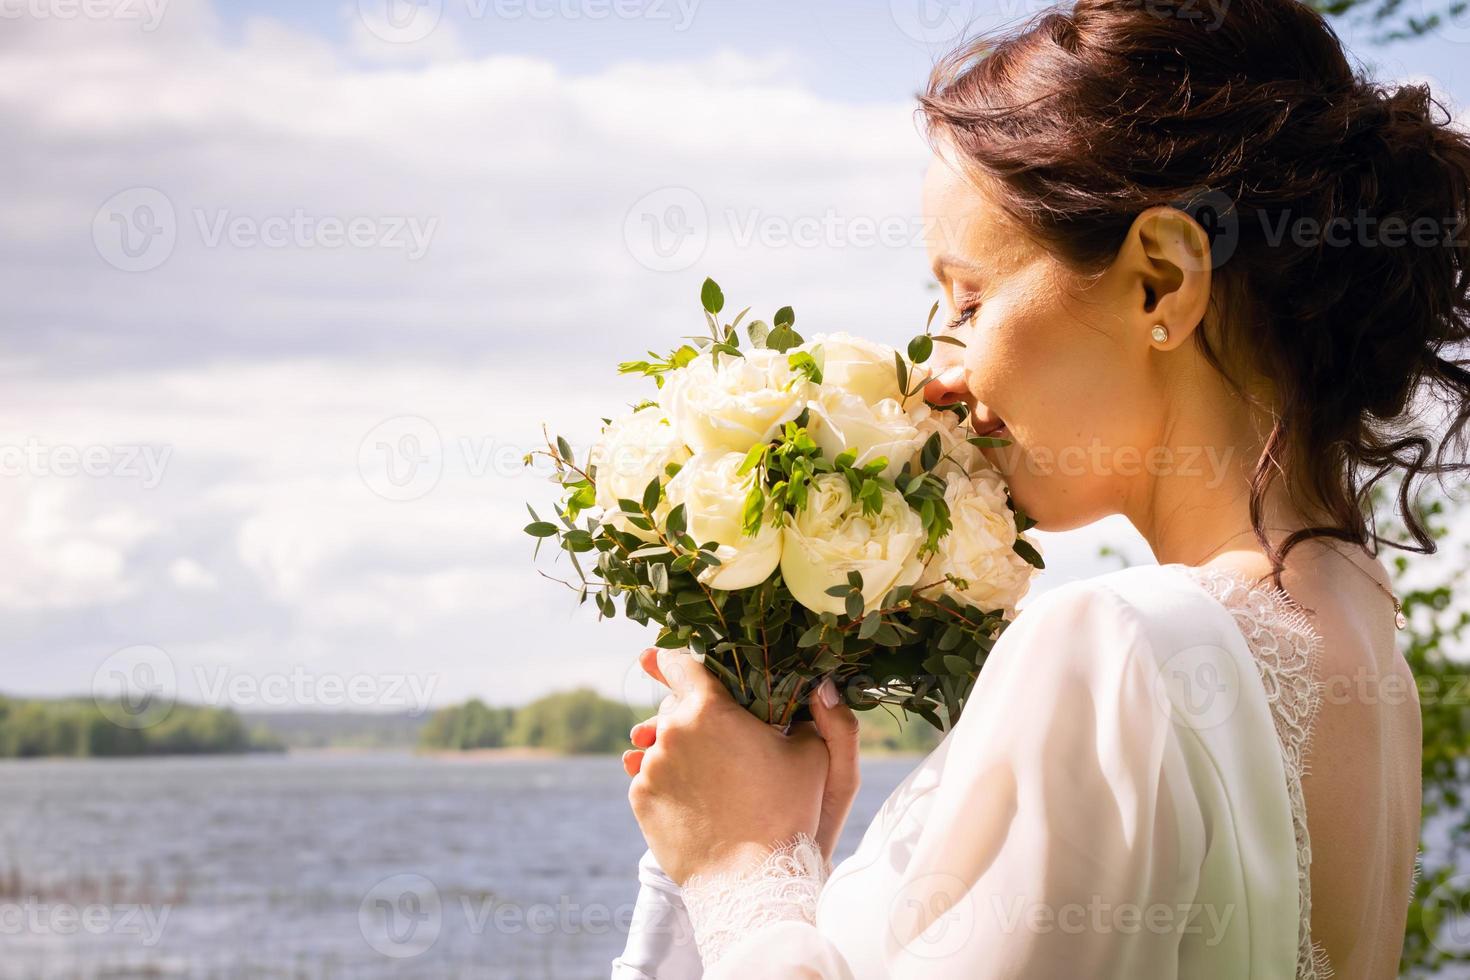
x=986, y=423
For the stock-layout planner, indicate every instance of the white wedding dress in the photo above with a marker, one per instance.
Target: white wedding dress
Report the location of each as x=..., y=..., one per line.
x=1121, y=798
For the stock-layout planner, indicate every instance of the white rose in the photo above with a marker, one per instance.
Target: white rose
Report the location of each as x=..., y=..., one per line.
x=856, y=365
x=630, y=453
x=978, y=548
x=959, y=455
x=733, y=403
x=831, y=537
x=842, y=421
x=714, y=502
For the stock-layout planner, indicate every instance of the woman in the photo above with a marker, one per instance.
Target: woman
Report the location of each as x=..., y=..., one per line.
x=1179, y=257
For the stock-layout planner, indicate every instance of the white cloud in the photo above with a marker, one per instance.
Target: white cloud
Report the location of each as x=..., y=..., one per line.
x=188, y=575
x=276, y=536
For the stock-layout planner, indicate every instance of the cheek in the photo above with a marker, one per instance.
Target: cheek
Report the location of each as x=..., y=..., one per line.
x=1064, y=389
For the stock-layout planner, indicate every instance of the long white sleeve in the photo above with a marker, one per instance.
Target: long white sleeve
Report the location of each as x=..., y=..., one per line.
x=660, y=939
x=1066, y=835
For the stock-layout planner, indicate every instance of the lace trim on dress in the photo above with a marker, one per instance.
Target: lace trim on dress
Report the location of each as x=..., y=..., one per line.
x=785, y=885
x=1287, y=650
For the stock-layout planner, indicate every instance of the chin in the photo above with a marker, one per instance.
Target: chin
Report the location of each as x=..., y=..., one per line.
x=1046, y=500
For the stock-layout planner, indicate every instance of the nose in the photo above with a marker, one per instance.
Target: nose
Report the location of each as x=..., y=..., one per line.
x=948, y=387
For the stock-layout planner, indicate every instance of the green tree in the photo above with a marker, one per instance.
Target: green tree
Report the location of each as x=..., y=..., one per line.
x=574, y=721
x=1434, y=646
x=1395, y=20
x=472, y=725
x=81, y=728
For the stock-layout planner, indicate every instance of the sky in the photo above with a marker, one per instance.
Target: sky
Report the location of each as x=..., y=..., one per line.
x=291, y=287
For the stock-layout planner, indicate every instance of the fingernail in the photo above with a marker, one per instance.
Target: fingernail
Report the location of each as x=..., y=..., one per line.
x=827, y=691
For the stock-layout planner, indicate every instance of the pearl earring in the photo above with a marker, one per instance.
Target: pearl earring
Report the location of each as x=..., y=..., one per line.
x=1160, y=333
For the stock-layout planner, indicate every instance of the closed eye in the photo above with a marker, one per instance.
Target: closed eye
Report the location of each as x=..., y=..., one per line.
x=961, y=318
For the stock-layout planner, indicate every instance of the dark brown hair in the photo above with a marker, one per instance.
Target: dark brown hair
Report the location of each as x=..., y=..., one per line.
x=1256, y=123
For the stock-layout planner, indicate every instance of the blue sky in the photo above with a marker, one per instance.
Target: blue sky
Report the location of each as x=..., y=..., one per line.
x=287, y=302
x=857, y=50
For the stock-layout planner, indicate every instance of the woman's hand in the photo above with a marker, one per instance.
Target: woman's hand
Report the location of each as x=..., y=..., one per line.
x=714, y=788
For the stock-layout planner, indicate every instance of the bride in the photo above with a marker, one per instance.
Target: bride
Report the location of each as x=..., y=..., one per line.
x=1166, y=247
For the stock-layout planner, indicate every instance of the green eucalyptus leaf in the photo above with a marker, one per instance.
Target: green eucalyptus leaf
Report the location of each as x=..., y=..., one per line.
x=920, y=348
x=811, y=637
x=711, y=297
x=1028, y=551
x=929, y=456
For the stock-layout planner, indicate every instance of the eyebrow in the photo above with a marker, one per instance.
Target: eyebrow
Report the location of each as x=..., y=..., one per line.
x=946, y=261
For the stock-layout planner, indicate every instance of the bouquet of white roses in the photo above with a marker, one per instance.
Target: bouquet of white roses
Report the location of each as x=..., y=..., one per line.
x=790, y=510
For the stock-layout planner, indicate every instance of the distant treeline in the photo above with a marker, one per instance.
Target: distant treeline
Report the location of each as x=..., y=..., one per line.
x=577, y=721
x=584, y=721
x=570, y=721
x=79, y=727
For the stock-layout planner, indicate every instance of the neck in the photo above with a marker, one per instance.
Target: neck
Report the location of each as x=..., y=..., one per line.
x=1198, y=506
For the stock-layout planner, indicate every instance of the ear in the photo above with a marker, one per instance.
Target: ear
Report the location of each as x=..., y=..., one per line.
x=1165, y=267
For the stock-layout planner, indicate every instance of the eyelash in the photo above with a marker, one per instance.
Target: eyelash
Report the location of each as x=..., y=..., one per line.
x=961, y=318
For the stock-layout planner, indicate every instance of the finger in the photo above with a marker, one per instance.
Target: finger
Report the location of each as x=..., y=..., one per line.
x=648, y=660
x=685, y=675
x=632, y=761
x=837, y=724
x=645, y=733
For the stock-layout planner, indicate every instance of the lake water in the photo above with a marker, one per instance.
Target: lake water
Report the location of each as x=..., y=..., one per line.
x=325, y=866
